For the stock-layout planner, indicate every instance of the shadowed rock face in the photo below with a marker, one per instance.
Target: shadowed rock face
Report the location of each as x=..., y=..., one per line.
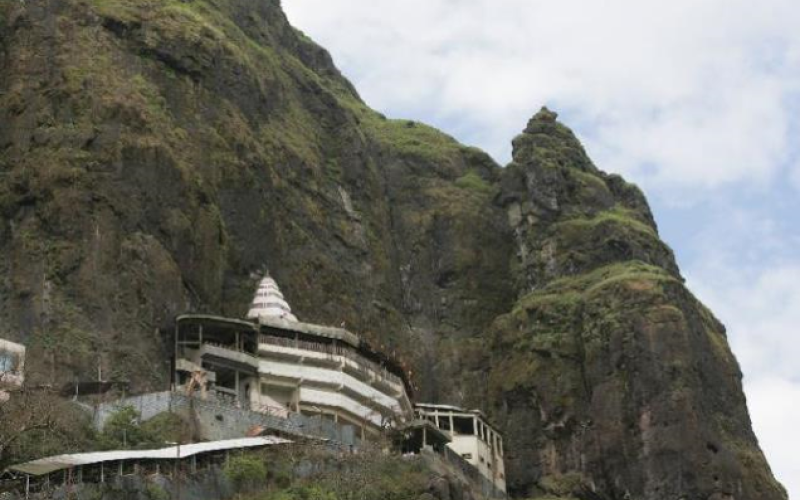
x=620, y=382
x=157, y=157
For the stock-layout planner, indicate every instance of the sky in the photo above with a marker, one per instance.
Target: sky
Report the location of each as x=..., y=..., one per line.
x=696, y=101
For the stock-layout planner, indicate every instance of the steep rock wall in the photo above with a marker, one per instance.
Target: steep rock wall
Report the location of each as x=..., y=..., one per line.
x=157, y=156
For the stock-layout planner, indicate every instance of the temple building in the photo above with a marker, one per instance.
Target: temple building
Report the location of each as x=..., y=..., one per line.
x=273, y=363
x=470, y=436
x=12, y=368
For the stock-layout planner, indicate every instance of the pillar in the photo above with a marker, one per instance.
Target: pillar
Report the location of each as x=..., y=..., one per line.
x=175, y=357
x=424, y=436
x=236, y=384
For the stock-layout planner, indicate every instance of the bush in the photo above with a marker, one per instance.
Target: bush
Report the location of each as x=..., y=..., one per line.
x=122, y=430
x=156, y=492
x=471, y=181
x=246, y=473
x=311, y=492
x=125, y=430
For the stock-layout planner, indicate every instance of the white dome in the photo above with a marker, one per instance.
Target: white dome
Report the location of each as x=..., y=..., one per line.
x=269, y=302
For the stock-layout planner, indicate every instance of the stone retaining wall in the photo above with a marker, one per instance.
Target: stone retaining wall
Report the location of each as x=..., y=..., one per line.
x=218, y=420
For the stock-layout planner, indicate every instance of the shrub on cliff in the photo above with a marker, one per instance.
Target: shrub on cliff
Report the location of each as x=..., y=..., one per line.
x=246, y=473
x=126, y=430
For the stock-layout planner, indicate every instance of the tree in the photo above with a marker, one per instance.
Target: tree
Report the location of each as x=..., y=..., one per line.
x=125, y=430
x=36, y=423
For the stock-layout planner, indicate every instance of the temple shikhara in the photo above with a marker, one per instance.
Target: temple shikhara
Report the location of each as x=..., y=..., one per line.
x=275, y=364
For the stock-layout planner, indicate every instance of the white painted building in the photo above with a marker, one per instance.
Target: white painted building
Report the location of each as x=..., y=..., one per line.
x=471, y=437
x=12, y=368
x=275, y=364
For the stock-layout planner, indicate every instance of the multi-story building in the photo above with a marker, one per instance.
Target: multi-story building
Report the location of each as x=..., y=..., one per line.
x=273, y=363
x=471, y=437
x=12, y=367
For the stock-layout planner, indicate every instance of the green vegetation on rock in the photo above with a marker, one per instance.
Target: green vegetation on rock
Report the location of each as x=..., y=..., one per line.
x=159, y=156
x=125, y=430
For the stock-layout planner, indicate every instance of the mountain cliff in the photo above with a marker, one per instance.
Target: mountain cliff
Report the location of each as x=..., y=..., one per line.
x=157, y=156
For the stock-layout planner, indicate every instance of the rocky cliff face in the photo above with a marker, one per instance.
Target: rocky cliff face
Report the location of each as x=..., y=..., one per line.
x=607, y=360
x=157, y=156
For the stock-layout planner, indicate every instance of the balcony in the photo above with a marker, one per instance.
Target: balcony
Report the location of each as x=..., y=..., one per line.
x=358, y=366
x=229, y=353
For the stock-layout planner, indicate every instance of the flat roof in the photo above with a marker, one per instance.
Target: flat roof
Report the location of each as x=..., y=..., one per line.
x=311, y=329
x=282, y=324
x=7, y=345
x=52, y=464
x=457, y=409
x=217, y=319
x=447, y=407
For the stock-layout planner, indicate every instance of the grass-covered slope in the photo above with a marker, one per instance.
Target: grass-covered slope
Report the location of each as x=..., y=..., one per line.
x=157, y=156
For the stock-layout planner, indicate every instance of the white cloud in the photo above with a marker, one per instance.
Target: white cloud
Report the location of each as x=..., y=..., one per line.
x=697, y=100
x=689, y=93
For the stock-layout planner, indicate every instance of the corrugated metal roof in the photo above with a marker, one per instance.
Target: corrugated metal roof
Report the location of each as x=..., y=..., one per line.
x=52, y=464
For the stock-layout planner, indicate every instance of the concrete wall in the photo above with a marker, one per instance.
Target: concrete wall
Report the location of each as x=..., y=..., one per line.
x=217, y=421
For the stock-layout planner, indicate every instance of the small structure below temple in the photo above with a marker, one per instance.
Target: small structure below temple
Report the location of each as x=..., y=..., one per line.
x=471, y=437
x=46, y=475
x=274, y=364
x=12, y=368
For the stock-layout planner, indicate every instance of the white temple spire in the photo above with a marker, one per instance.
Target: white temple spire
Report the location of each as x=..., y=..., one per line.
x=269, y=303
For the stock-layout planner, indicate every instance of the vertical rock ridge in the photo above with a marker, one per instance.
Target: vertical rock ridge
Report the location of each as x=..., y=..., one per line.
x=157, y=156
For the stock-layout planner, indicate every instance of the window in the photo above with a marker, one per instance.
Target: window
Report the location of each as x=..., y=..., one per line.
x=8, y=362
x=464, y=425
x=466, y=456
